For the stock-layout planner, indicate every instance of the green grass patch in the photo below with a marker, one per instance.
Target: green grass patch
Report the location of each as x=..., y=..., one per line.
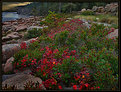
x=101, y=18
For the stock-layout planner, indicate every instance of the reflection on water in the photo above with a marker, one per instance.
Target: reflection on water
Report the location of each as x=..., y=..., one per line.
x=7, y=16
x=10, y=15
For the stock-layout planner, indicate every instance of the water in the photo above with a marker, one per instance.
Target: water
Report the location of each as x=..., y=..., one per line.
x=7, y=16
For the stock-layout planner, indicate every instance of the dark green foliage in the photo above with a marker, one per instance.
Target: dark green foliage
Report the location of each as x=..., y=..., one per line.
x=20, y=54
x=32, y=54
x=115, y=26
x=67, y=69
x=65, y=38
x=68, y=8
x=53, y=19
x=45, y=40
x=60, y=39
x=87, y=12
x=103, y=65
x=33, y=33
x=36, y=54
x=34, y=45
x=34, y=11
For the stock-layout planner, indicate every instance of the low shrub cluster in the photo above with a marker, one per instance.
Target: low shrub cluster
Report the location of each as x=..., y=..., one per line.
x=33, y=33
x=87, y=12
x=53, y=20
x=74, y=56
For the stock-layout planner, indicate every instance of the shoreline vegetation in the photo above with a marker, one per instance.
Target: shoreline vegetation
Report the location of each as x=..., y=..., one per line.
x=61, y=51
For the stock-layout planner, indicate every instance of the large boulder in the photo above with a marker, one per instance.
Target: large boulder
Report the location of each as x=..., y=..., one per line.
x=19, y=80
x=9, y=31
x=5, y=28
x=9, y=50
x=13, y=41
x=5, y=77
x=15, y=23
x=12, y=35
x=101, y=9
x=21, y=28
x=94, y=8
x=6, y=23
x=83, y=10
x=8, y=66
x=111, y=8
x=114, y=9
x=108, y=8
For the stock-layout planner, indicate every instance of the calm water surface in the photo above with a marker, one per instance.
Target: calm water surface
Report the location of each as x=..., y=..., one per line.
x=7, y=16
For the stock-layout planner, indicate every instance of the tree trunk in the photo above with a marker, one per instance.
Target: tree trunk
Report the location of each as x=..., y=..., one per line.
x=59, y=7
x=70, y=7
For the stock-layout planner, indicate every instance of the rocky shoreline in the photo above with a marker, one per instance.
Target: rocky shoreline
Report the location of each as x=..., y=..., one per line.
x=13, y=29
x=12, y=36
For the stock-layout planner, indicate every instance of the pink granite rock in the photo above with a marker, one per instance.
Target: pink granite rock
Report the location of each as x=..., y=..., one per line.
x=21, y=28
x=6, y=23
x=8, y=66
x=13, y=35
x=19, y=80
x=8, y=50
